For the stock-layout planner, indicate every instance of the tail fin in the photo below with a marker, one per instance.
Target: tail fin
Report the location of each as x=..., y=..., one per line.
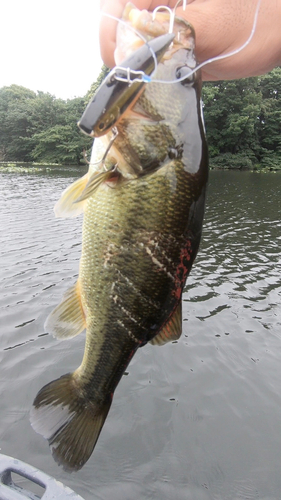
x=71, y=422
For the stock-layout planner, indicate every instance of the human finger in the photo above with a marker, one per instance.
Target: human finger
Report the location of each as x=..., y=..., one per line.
x=108, y=26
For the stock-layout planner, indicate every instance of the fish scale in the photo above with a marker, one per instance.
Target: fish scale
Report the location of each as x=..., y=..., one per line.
x=144, y=276
x=141, y=232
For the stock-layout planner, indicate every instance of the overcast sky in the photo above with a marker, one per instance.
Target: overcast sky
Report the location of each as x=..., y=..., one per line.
x=50, y=45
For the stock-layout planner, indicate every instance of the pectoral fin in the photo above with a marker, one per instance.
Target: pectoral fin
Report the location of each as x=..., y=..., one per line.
x=67, y=319
x=67, y=205
x=172, y=329
x=93, y=183
x=71, y=202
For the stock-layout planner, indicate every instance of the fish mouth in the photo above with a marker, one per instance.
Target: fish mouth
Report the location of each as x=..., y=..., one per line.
x=151, y=25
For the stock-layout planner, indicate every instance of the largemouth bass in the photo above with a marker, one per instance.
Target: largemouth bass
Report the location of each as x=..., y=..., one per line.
x=141, y=232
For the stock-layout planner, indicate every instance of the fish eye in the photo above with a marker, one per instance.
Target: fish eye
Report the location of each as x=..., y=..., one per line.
x=101, y=126
x=183, y=74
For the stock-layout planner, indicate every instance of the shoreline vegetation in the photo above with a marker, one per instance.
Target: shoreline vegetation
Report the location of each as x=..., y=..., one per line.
x=21, y=167
x=242, y=119
x=33, y=167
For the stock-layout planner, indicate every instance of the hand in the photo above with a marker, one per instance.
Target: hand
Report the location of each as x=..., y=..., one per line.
x=221, y=26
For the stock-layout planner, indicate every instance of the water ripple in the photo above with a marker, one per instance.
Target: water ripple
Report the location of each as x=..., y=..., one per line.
x=197, y=419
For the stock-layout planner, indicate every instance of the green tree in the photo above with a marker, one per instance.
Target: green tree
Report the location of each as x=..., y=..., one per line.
x=61, y=141
x=269, y=126
x=14, y=121
x=243, y=123
x=231, y=110
x=243, y=120
x=40, y=127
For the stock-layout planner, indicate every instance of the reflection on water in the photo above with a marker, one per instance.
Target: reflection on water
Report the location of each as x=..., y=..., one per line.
x=196, y=419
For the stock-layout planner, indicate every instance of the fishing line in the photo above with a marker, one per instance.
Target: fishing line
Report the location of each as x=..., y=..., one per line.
x=236, y=51
x=148, y=79
x=218, y=58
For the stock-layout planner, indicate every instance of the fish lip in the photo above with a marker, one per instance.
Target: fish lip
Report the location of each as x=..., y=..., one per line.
x=113, y=97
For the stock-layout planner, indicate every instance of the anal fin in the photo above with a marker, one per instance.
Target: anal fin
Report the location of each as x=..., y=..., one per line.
x=172, y=329
x=67, y=319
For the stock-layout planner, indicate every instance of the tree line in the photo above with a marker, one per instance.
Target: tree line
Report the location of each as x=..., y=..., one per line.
x=243, y=122
x=242, y=118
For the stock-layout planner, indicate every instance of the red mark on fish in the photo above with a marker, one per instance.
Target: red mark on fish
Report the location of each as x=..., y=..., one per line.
x=182, y=270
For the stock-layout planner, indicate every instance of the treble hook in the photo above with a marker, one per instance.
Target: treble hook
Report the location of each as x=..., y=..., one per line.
x=111, y=141
x=171, y=12
x=184, y=2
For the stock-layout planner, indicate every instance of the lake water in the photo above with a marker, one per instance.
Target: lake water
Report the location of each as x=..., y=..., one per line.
x=199, y=419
